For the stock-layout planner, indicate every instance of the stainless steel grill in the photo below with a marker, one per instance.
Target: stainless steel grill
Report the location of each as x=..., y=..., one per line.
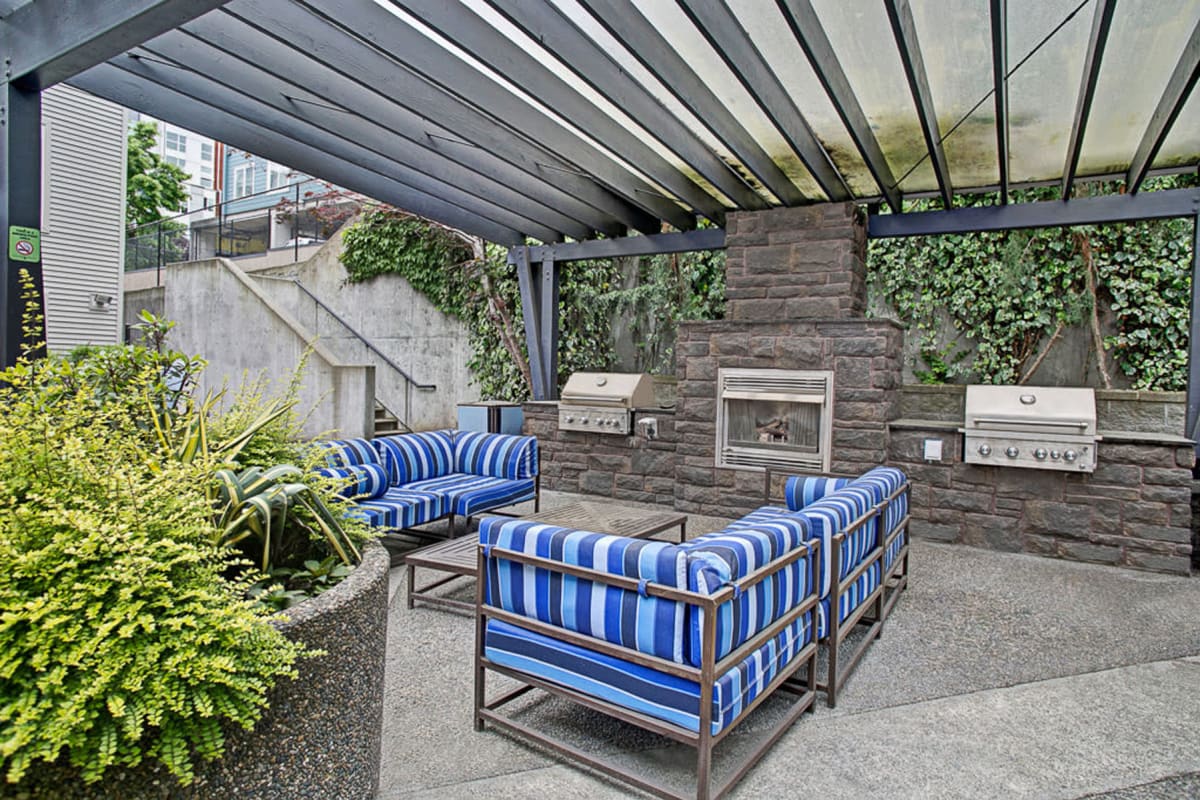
x=1037, y=427
x=603, y=402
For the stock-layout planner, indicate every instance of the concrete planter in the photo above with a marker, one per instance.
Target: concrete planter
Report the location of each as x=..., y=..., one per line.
x=320, y=736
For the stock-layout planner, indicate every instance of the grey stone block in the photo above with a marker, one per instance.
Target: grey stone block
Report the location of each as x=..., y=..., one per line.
x=1086, y=551
x=940, y=533
x=593, y=482
x=1160, y=533
x=1167, y=477
x=1056, y=518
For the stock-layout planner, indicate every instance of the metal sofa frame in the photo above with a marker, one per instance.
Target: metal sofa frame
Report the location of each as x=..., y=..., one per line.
x=489, y=711
x=880, y=602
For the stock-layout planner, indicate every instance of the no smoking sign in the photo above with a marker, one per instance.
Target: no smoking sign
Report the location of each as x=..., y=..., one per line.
x=24, y=244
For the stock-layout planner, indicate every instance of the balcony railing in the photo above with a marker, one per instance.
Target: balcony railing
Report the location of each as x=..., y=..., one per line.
x=212, y=232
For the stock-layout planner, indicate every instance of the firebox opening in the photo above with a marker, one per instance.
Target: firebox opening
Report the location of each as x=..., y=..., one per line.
x=774, y=418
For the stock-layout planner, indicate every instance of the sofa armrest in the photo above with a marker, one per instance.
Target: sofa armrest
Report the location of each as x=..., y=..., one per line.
x=634, y=619
x=496, y=455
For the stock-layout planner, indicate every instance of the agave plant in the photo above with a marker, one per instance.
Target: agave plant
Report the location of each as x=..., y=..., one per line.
x=265, y=503
x=184, y=434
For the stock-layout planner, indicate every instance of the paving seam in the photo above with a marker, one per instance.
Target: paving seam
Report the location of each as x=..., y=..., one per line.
x=1143, y=785
x=1191, y=660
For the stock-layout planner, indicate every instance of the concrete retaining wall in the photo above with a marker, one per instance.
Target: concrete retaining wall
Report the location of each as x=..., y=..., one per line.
x=401, y=322
x=224, y=316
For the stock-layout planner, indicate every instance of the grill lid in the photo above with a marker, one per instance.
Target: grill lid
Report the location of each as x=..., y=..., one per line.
x=1031, y=409
x=611, y=389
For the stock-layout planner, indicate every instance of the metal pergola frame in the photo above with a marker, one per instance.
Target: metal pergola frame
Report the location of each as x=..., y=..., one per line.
x=430, y=106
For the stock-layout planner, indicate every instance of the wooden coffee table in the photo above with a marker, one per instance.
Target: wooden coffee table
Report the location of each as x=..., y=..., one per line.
x=459, y=557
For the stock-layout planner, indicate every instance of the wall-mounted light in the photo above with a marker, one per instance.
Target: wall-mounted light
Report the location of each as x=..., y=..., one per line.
x=99, y=302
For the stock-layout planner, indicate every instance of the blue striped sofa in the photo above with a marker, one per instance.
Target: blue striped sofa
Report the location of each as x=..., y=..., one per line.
x=399, y=482
x=683, y=640
x=862, y=524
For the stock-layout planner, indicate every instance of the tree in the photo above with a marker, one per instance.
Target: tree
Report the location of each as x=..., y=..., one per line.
x=152, y=185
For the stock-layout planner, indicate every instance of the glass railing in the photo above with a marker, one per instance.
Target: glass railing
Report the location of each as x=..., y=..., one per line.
x=295, y=220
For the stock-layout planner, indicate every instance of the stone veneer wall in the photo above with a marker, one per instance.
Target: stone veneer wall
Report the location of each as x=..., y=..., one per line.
x=622, y=467
x=795, y=286
x=796, y=263
x=1134, y=510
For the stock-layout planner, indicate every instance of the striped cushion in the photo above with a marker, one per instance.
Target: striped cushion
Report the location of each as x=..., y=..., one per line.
x=647, y=624
x=349, y=452
x=495, y=455
x=400, y=508
x=851, y=597
x=882, y=481
x=890, y=555
x=717, y=559
x=413, y=457
x=366, y=481
x=468, y=495
x=800, y=491
x=642, y=689
x=834, y=513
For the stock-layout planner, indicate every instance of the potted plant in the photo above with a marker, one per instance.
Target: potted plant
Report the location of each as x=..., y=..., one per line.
x=137, y=655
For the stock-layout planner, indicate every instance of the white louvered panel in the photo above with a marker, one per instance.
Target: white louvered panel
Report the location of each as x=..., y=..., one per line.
x=775, y=381
x=761, y=459
x=84, y=208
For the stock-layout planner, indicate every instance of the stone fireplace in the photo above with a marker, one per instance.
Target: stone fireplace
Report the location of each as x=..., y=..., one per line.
x=796, y=300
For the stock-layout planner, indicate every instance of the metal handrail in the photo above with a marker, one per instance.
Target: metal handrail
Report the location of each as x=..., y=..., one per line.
x=363, y=339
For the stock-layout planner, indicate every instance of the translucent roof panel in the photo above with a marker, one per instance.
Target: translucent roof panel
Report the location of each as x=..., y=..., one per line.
x=548, y=60
x=1145, y=43
x=862, y=38
x=634, y=68
x=774, y=39
x=1043, y=91
x=690, y=44
x=1182, y=145
x=956, y=46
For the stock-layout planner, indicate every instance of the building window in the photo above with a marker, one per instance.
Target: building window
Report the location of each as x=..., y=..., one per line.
x=176, y=161
x=206, y=183
x=206, y=151
x=277, y=176
x=243, y=180
x=176, y=141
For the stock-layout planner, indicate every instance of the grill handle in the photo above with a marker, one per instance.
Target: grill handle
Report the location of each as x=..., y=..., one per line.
x=1082, y=425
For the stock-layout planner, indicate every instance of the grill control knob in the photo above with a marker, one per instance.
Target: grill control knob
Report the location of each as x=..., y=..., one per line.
x=1055, y=455
x=1070, y=456
x=583, y=420
x=985, y=449
x=570, y=418
x=1040, y=454
x=1011, y=452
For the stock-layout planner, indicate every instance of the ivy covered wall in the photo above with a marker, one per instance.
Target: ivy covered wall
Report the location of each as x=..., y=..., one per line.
x=1105, y=306
x=643, y=298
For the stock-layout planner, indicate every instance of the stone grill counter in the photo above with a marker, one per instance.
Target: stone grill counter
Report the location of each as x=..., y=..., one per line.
x=1134, y=510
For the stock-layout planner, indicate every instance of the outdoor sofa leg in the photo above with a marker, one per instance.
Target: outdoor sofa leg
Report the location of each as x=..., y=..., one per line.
x=480, y=625
x=835, y=619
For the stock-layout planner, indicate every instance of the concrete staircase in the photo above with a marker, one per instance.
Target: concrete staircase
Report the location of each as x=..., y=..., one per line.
x=386, y=423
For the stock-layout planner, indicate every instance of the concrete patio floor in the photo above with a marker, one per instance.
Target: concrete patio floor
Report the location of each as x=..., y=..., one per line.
x=998, y=675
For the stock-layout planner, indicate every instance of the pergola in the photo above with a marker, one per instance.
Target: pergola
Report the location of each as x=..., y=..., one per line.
x=562, y=128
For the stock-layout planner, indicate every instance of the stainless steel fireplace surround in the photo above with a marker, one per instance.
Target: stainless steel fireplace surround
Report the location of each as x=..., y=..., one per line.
x=774, y=418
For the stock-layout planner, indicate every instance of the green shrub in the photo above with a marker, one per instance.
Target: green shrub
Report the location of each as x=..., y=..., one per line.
x=120, y=636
